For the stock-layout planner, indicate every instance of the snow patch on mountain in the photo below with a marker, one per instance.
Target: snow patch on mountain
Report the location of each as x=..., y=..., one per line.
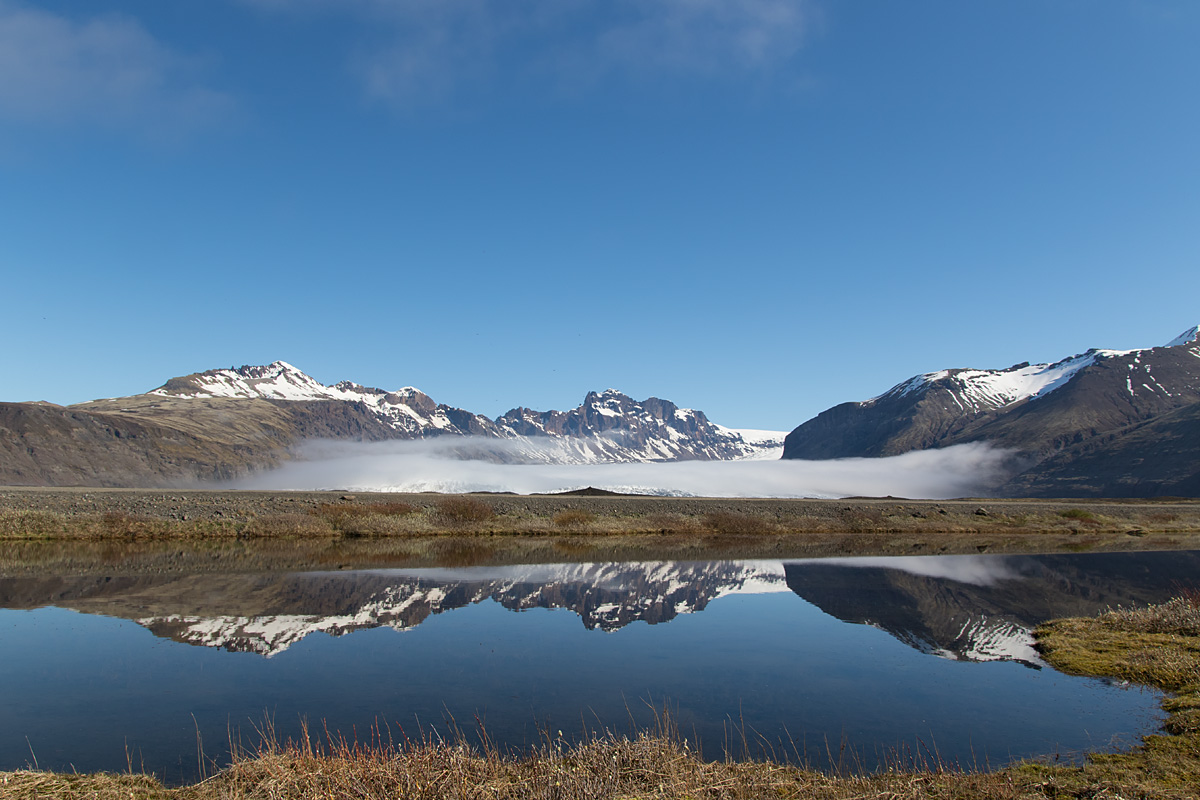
x=1190, y=336
x=979, y=390
x=608, y=427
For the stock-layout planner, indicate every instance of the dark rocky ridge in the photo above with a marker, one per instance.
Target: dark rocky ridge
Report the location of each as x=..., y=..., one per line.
x=1123, y=425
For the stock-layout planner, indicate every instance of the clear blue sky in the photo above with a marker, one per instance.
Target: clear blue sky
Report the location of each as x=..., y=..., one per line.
x=758, y=208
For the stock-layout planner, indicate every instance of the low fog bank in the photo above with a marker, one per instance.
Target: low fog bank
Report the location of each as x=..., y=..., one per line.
x=491, y=465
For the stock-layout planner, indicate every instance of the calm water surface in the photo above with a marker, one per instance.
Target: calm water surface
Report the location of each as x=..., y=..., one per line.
x=861, y=659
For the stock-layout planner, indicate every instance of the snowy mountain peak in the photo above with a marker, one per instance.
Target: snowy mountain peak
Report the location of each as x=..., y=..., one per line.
x=1190, y=336
x=608, y=426
x=277, y=380
x=982, y=389
x=609, y=397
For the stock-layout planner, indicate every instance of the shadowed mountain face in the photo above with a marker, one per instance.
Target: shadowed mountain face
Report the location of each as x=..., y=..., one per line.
x=1091, y=425
x=984, y=608
x=977, y=608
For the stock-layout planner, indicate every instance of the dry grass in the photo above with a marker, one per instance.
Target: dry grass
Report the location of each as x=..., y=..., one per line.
x=21, y=524
x=667, y=523
x=30, y=785
x=573, y=518
x=365, y=519
x=459, y=510
x=734, y=522
x=645, y=767
x=285, y=525
x=32, y=515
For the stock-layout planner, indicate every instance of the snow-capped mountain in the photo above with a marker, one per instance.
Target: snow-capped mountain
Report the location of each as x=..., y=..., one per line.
x=409, y=412
x=1058, y=411
x=607, y=426
x=607, y=597
x=231, y=423
x=975, y=391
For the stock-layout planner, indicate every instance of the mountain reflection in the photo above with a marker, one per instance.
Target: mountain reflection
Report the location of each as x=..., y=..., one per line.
x=976, y=608
x=984, y=608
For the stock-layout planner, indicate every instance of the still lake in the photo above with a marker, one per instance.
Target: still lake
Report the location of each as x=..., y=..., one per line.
x=855, y=661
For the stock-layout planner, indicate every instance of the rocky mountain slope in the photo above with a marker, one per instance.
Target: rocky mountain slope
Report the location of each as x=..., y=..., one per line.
x=228, y=423
x=1090, y=425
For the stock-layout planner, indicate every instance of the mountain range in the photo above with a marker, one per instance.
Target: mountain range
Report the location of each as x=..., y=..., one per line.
x=1116, y=423
x=1104, y=423
x=228, y=423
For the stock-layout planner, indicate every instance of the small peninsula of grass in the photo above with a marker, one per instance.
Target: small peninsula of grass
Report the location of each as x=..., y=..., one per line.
x=1157, y=646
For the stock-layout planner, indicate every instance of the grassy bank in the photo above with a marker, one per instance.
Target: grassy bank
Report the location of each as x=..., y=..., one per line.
x=1157, y=646
x=141, y=531
x=27, y=514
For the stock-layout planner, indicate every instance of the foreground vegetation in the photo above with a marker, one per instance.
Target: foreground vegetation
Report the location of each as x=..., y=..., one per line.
x=1157, y=646
x=111, y=532
x=148, y=514
x=128, y=532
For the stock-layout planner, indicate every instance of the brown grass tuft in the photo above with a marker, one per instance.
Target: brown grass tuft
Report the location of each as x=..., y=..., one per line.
x=277, y=525
x=732, y=522
x=32, y=524
x=573, y=518
x=459, y=510
x=119, y=523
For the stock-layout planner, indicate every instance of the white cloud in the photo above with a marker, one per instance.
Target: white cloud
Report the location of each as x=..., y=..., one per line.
x=706, y=36
x=426, y=48
x=105, y=71
x=452, y=464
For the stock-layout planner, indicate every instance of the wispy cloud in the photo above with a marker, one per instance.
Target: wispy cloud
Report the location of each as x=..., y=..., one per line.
x=705, y=36
x=424, y=49
x=451, y=464
x=106, y=71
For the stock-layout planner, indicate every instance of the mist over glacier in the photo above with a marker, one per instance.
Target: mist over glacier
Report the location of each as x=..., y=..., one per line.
x=525, y=467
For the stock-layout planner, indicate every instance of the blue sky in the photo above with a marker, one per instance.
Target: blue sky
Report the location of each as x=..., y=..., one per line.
x=758, y=208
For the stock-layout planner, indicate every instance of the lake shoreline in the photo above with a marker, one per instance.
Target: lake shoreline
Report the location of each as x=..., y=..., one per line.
x=126, y=531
